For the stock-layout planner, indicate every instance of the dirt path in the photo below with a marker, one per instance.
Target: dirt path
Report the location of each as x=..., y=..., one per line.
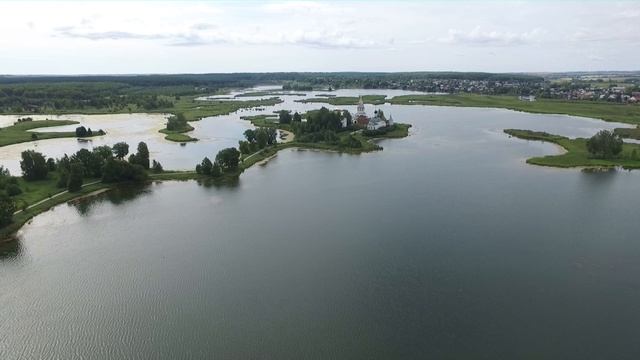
x=52, y=197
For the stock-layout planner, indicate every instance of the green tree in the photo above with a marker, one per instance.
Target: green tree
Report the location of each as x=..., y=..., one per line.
x=245, y=147
x=33, y=165
x=176, y=122
x=206, y=166
x=142, y=156
x=216, y=170
x=156, y=167
x=13, y=189
x=105, y=152
x=81, y=131
x=262, y=139
x=116, y=171
x=51, y=164
x=272, y=135
x=605, y=144
x=228, y=159
x=250, y=135
x=347, y=115
x=297, y=117
x=74, y=181
x=120, y=150
x=284, y=117
x=7, y=208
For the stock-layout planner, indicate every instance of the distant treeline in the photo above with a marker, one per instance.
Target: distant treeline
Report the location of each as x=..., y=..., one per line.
x=39, y=94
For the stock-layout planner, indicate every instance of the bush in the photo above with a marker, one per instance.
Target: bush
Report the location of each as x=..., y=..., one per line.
x=13, y=190
x=81, y=131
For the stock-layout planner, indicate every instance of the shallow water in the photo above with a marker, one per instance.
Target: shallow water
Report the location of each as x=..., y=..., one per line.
x=444, y=245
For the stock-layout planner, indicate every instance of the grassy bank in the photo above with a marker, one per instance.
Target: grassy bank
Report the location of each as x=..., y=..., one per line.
x=346, y=100
x=599, y=110
x=576, y=152
x=7, y=232
x=19, y=132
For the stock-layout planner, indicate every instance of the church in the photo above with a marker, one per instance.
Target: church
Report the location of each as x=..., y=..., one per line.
x=374, y=123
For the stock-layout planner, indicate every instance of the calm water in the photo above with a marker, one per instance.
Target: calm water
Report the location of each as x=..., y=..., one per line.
x=445, y=245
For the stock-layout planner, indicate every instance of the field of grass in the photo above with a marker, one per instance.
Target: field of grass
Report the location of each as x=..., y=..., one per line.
x=266, y=121
x=577, y=154
x=399, y=131
x=269, y=93
x=632, y=133
x=19, y=133
x=346, y=100
x=599, y=110
x=195, y=110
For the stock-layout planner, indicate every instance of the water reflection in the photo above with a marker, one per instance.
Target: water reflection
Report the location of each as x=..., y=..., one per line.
x=10, y=250
x=117, y=196
x=219, y=184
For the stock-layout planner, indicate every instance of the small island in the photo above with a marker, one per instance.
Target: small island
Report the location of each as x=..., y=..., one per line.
x=21, y=132
x=193, y=109
x=605, y=149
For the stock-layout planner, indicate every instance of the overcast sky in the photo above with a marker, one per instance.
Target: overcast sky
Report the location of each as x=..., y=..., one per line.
x=251, y=36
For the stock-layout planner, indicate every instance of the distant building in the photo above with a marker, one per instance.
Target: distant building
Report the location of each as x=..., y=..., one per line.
x=376, y=122
x=530, y=98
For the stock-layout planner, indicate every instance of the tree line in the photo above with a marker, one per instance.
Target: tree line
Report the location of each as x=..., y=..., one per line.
x=226, y=161
x=107, y=163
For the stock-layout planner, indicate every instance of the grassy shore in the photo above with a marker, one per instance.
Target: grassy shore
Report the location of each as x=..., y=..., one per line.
x=195, y=110
x=50, y=195
x=599, y=110
x=346, y=100
x=19, y=132
x=21, y=218
x=576, y=152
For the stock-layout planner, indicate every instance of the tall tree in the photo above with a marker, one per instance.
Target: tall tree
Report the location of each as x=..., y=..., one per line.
x=7, y=208
x=228, y=158
x=120, y=150
x=142, y=156
x=284, y=117
x=74, y=182
x=33, y=165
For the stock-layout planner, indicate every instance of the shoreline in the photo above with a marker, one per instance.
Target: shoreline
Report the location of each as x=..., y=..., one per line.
x=22, y=217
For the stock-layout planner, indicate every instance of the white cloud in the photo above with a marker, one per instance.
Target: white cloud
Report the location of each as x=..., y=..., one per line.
x=206, y=34
x=477, y=36
x=300, y=7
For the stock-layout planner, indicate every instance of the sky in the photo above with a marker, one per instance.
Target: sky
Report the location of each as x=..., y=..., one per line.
x=51, y=37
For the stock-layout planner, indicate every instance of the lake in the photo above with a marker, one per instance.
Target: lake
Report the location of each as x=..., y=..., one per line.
x=444, y=245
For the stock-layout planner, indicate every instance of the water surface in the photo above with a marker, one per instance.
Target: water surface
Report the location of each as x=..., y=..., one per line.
x=444, y=245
